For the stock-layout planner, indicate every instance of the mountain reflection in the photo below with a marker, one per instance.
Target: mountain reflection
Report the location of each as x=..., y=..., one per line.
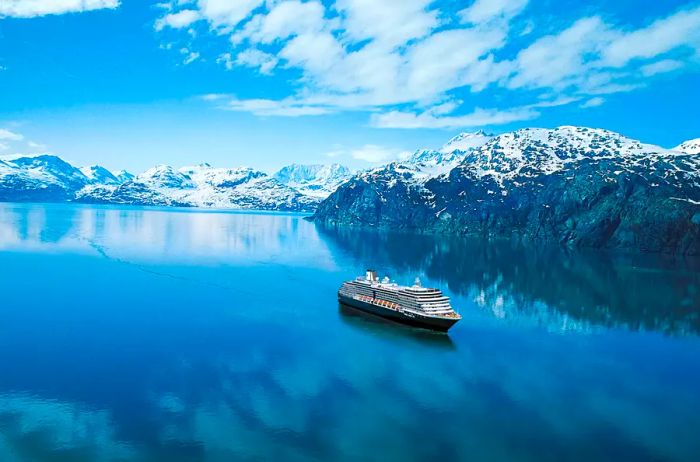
x=640, y=292
x=161, y=235
x=562, y=291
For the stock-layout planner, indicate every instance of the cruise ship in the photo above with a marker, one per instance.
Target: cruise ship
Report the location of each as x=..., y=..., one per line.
x=414, y=305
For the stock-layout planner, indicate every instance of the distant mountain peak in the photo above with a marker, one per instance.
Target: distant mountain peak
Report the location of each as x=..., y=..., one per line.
x=98, y=174
x=316, y=180
x=466, y=141
x=689, y=147
x=429, y=156
x=123, y=176
x=164, y=176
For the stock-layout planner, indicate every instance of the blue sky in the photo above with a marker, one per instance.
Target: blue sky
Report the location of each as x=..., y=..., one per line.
x=133, y=83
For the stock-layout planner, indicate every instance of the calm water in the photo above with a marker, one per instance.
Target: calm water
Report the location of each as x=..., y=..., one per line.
x=152, y=335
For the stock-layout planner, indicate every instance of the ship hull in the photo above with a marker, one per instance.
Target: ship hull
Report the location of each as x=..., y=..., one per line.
x=426, y=322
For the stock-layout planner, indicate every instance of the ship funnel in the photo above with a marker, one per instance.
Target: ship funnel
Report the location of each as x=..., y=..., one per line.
x=416, y=283
x=371, y=275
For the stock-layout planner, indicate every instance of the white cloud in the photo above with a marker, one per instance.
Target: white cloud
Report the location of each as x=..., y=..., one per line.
x=4, y=147
x=255, y=58
x=361, y=66
x=661, y=67
x=388, y=23
x=559, y=61
x=593, y=102
x=178, y=20
x=190, y=56
x=594, y=57
x=478, y=118
x=369, y=54
x=279, y=108
x=34, y=8
x=489, y=10
x=291, y=18
x=227, y=13
x=227, y=60
x=9, y=135
x=34, y=145
x=403, y=57
x=215, y=96
x=316, y=53
x=374, y=154
x=444, y=60
x=681, y=29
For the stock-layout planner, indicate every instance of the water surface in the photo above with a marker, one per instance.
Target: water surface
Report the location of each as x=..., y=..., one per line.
x=131, y=334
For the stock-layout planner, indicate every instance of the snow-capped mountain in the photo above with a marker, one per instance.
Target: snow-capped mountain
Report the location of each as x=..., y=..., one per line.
x=466, y=141
x=313, y=180
x=47, y=169
x=534, y=151
x=49, y=178
x=99, y=175
x=425, y=164
x=202, y=186
x=689, y=147
x=573, y=185
x=38, y=178
x=123, y=176
x=242, y=187
x=165, y=177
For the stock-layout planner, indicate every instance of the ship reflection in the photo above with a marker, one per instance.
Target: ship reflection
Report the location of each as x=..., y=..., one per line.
x=385, y=328
x=547, y=286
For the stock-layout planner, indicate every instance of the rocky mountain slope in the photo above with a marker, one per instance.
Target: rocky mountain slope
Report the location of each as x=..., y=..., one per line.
x=49, y=178
x=573, y=185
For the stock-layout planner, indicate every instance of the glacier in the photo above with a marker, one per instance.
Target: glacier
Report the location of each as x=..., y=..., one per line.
x=48, y=178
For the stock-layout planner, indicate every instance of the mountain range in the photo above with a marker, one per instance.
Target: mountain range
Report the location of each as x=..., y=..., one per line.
x=48, y=178
x=572, y=185
x=576, y=186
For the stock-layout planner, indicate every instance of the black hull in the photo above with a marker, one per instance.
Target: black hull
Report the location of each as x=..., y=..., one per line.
x=426, y=322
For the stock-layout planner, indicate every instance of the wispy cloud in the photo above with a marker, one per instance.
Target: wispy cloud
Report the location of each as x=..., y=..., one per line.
x=38, y=146
x=396, y=59
x=268, y=107
x=6, y=134
x=661, y=67
x=34, y=8
x=252, y=57
x=593, y=102
x=190, y=56
x=478, y=118
x=370, y=153
x=12, y=141
x=375, y=154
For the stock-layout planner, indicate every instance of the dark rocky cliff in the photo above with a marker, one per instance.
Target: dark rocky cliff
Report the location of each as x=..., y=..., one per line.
x=575, y=186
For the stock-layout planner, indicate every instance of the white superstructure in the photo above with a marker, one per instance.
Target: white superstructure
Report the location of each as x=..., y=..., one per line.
x=418, y=299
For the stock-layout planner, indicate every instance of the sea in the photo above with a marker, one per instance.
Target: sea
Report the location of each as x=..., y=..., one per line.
x=164, y=334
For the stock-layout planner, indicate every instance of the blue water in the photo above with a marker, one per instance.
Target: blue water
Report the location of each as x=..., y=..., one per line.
x=132, y=334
